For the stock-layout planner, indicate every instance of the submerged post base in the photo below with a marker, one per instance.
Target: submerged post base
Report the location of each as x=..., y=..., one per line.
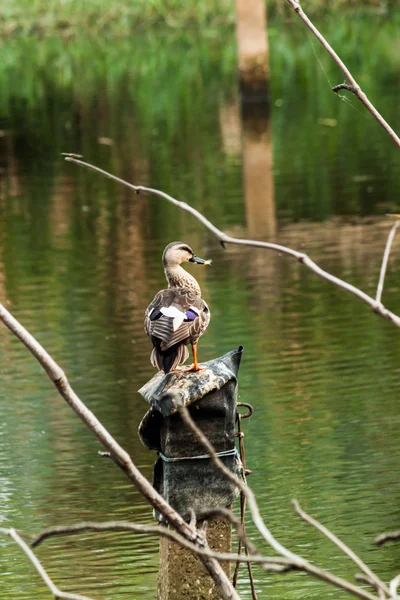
x=182, y=576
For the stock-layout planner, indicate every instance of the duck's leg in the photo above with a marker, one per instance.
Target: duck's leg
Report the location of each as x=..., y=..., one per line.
x=195, y=366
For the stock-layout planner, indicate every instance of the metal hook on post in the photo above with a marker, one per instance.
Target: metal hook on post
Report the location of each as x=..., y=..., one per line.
x=245, y=473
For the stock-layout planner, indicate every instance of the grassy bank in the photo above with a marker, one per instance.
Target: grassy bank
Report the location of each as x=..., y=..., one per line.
x=122, y=17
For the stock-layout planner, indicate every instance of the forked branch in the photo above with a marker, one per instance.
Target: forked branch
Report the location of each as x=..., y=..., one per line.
x=385, y=259
x=298, y=562
x=224, y=239
x=57, y=593
x=373, y=579
x=119, y=455
x=268, y=563
x=389, y=536
x=352, y=85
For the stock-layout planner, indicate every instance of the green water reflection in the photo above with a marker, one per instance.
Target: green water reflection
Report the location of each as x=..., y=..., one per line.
x=80, y=259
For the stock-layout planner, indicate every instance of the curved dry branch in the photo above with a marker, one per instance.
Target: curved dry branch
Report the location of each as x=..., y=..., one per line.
x=352, y=85
x=297, y=561
x=389, y=536
x=394, y=584
x=118, y=454
x=57, y=593
x=376, y=581
x=362, y=578
x=242, y=536
x=385, y=260
x=268, y=563
x=224, y=239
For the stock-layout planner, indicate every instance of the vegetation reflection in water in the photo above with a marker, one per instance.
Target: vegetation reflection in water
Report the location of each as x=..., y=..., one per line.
x=80, y=258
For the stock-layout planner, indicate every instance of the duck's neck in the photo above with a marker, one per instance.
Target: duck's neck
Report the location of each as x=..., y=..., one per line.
x=177, y=277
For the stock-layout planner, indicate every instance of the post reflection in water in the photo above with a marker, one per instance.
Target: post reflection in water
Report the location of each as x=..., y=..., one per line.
x=254, y=132
x=258, y=179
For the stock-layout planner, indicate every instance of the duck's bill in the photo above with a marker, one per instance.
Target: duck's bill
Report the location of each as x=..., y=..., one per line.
x=200, y=261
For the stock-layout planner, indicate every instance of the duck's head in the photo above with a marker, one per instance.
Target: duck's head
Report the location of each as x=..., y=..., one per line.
x=177, y=253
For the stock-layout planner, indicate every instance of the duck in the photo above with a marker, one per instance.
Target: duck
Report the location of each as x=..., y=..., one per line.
x=177, y=316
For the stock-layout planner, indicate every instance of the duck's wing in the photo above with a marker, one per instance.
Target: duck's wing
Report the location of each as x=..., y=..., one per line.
x=176, y=315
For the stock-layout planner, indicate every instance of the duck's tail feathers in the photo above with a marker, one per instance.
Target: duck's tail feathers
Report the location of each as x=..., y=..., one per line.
x=166, y=360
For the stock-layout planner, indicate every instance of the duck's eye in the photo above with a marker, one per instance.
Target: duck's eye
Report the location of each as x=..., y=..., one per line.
x=186, y=249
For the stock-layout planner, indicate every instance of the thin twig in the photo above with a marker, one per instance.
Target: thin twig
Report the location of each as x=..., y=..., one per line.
x=276, y=564
x=344, y=86
x=394, y=584
x=255, y=513
x=56, y=592
x=378, y=583
x=224, y=239
x=385, y=259
x=364, y=579
x=388, y=536
x=119, y=455
x=353, y=87
x=58, y=377
x=298, y=562
x=225, y=512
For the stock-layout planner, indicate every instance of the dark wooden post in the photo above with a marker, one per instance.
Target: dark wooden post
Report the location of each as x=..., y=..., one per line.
x=183, y=473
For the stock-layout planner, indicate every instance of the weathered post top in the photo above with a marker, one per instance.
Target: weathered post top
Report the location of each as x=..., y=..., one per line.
x=191, y=385
x=184, y=473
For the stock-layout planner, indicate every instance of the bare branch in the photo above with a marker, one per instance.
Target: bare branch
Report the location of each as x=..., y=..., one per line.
x=255, y=513
x=238, y=526
x=118, y=454
x=297, y=561
x=353, y=87
x=394, y=584
x=385, y=259
x=344, y=86
x=58, y=594
x=389, y=536
x=378, y=583
x=224, y=239
x=276, y=564
x=364, y=579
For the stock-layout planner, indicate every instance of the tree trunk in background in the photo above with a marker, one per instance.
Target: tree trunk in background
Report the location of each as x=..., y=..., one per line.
x=251, y=28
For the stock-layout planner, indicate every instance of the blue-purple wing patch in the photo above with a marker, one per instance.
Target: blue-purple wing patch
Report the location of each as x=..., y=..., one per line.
x=155, y=314
x=190, y=315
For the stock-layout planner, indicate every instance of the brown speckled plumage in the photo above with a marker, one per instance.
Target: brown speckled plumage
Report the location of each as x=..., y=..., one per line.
x=187, y=314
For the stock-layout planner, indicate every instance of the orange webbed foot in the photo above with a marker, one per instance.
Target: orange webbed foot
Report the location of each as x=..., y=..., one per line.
x=195, y=367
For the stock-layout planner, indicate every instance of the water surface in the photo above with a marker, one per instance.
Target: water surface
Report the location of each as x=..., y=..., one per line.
x=80, y=261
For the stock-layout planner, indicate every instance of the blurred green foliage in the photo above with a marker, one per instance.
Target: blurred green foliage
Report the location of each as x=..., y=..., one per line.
x=144, y=91
x=122, y=17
